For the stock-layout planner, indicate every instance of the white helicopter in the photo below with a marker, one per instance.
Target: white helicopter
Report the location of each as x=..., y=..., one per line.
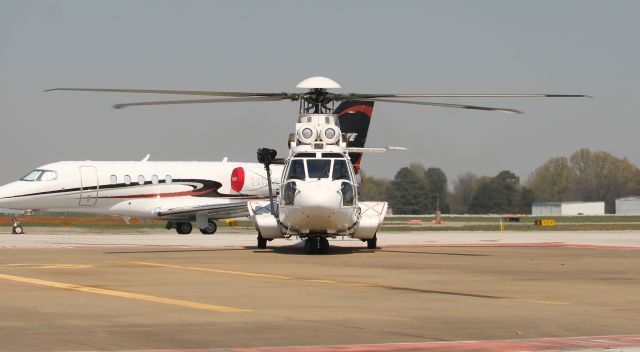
x=317, y=197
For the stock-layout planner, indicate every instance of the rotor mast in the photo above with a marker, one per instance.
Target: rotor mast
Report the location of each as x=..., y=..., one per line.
x=317, y=100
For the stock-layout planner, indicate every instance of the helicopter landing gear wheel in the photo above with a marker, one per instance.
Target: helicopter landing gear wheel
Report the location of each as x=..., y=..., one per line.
x=323, y=245
x=183, y=228
x=372, y=242
x=316, y=245
x=262, y=242
x=311, y=245
x=210, y=229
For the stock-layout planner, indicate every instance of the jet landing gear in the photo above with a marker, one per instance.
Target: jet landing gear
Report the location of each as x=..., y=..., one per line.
x=316, y=245
x=183, y=228
x=16, y=229
x=210, y=229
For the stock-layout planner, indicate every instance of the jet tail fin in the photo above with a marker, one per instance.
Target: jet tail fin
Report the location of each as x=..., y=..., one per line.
x=354, y=117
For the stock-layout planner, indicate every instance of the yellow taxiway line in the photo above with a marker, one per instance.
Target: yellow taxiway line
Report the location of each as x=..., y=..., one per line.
x=333, y=282
x=245, y=273
x=123, y=294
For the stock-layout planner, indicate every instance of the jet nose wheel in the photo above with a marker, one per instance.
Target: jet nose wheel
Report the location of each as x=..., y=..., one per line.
x=210, y=229
x=17, y=230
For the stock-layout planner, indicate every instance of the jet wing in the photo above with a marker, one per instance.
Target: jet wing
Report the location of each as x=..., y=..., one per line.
x=213, y=211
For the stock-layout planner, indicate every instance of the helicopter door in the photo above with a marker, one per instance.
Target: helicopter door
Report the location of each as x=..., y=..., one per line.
x=88, y=185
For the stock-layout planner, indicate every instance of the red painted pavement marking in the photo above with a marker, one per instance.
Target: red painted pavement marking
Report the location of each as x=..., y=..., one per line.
x=547, y=344
x=515, y=244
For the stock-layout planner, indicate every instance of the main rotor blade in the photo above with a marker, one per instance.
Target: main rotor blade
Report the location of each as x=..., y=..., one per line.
x=199, y=101
x=444, y=105
x=177, y=92
x=358, y=95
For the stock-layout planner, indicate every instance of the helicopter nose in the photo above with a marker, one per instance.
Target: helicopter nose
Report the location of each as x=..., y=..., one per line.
x=318, y=197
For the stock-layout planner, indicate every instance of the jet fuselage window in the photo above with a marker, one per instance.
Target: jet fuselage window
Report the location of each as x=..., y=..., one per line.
x=168, y=179
x=127, y=179
x=154, y=179
x=114, y=179
x=140, y=180
x=318, y=168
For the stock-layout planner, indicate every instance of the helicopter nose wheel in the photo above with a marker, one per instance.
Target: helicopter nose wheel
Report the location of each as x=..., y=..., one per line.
x=316, y=245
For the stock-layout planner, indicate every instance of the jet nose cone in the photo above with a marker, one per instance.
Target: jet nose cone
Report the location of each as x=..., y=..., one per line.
x=7, y=193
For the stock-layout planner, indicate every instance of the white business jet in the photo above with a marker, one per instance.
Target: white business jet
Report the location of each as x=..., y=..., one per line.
x=178, y=192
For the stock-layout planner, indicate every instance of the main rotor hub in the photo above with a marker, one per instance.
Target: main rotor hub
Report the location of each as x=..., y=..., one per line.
x=318, y=82
x=317, y=100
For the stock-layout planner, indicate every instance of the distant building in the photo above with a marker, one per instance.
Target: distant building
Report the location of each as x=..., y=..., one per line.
x=567, y=208
x=628, y=206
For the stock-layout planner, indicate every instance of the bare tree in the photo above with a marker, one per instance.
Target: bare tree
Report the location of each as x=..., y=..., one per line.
x=552, y=181
x=464, y=186
x=601, y=176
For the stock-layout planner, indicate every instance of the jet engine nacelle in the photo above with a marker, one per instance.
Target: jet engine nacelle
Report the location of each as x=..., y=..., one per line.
x=250, y=181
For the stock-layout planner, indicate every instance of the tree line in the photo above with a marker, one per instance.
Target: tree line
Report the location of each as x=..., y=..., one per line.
x=584, y=176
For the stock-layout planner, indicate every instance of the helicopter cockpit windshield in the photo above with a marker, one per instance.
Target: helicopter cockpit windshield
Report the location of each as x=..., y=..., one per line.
x=319, y=166
x=332, y=166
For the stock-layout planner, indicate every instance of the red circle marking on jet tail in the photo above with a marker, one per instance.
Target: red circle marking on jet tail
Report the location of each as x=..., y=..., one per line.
x=237, y=179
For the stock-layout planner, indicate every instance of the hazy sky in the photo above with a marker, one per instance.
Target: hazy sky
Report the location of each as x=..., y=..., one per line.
x=590, y=47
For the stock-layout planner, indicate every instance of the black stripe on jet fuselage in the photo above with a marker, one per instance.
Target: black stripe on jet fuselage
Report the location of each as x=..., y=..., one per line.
x=214, y=186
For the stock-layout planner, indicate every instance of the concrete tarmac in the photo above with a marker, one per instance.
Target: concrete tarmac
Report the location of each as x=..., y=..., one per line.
x=127, y=293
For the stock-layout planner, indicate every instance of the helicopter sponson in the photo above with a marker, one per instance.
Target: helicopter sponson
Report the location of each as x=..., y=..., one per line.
x=318, y=194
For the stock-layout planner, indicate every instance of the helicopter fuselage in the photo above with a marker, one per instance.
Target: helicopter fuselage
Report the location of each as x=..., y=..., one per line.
x=318, y=193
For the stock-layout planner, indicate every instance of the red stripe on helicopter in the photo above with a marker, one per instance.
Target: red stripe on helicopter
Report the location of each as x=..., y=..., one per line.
x=368, y=110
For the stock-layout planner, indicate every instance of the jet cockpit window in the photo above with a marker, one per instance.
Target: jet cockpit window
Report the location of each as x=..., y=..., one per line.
x=48, y=176
x=318, y=168
x=40, y=175
x=32, y=176
x=296, y=170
